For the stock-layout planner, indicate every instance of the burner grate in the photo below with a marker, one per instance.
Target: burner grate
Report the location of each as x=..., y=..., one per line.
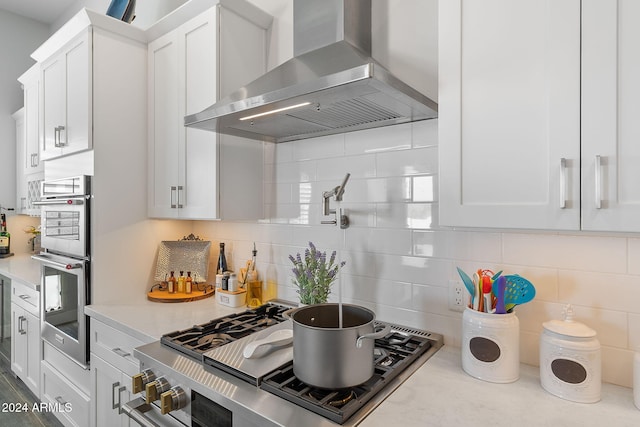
x=198, y=339
x=392, y=355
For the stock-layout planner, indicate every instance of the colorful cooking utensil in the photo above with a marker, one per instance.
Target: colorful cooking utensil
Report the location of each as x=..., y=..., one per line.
x=518, y=291
x=499, y=291
x=467, y=281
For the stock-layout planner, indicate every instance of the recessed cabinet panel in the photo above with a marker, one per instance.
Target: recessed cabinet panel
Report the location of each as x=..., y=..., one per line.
x=610, y=126
x=509, y=113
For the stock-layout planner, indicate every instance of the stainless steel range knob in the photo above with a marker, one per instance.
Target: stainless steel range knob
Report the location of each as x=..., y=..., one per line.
x=141, y=379
x=155, y=388
x=172, y=399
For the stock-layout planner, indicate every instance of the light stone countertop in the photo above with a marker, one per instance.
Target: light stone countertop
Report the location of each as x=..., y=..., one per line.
x=23, y=268
x=440, y=393
x=149, y=320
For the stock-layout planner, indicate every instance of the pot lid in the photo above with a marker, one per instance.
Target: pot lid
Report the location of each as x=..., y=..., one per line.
x=568, y=326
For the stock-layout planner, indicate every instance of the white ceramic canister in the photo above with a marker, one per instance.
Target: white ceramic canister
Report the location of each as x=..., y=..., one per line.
x=491, y=346
x=636, y=378
x=570, y=360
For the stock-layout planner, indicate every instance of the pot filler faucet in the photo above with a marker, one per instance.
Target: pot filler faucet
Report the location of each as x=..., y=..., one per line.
x=326, y=209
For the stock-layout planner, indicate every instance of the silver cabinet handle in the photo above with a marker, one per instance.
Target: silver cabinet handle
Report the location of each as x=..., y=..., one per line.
x=60, y=400
x=24, y=297
x=180, y=188
x=563, y=183
x=120, y=389
x=21, y=329
x=172, y=191
x=57, y=136
x=120, y=352
x=598, y=182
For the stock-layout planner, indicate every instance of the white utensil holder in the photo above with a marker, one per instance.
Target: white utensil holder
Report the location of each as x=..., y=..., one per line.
x=491, y=346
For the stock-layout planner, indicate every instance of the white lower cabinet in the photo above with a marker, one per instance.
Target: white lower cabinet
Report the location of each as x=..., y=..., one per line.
x=26, y=347
x=112, y=365
x=64, y=387
x=109, y=389
x=70, y=404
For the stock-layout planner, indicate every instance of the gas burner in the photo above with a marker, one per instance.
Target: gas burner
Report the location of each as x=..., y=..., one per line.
x=197, y=340
x=337, y=398
x=215, y=340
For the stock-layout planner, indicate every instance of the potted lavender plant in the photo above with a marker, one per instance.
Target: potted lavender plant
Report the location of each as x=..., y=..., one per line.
x=314, y=275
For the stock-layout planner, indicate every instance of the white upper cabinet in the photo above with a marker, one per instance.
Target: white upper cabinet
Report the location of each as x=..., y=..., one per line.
x=66, y=99
x=610, y=110
x=30, y=81
x=509, y=114
x=197, y=174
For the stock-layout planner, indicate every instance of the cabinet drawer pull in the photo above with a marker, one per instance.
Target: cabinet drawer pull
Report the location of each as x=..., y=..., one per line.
x=598, y=182
x=563, y=183
x=60, y=400
x=24, y=297
x=120, y=352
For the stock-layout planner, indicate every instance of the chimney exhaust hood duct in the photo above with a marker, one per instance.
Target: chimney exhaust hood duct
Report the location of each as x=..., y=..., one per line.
x=331, y=85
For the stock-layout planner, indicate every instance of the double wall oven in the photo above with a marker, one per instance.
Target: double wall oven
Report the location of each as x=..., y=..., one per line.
x=65, y=262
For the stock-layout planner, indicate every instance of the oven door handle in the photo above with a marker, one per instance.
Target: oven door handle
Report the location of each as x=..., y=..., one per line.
x=136, y=409
x=62, y=201
x=45, y=259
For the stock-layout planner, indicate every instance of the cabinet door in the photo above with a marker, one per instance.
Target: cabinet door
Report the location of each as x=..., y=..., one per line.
x=31, y=90
x=66, y=100
x=34, y=353
x=53, y=106
x=21, y=187
x=509, y=113
x=107, y=393
x=164, y=128
x=19, y=343
x=198, y=44
x=610, y=126
x=77, y=134
x=182, y=79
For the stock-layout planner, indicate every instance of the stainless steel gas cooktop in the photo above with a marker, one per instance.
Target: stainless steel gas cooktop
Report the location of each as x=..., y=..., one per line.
x=202, y=371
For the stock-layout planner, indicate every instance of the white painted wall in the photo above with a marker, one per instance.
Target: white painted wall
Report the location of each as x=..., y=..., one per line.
x=19, y=36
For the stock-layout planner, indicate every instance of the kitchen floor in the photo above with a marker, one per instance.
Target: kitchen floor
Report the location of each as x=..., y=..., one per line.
x=13, y=391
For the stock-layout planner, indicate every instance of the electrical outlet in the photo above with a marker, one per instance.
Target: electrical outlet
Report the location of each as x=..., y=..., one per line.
x=457, y=295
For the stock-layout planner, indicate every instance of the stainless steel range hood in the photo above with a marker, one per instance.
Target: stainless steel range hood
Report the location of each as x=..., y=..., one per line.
x=332, y=85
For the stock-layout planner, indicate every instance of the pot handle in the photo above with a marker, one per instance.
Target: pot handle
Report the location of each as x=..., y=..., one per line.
x=381, y=333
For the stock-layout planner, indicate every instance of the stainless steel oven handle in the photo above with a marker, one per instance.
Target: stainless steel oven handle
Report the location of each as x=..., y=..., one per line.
x=135, y=410
x=44, y=258
x=64, y=201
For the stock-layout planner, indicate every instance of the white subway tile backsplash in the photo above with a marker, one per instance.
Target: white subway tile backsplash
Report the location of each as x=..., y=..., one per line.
x=407, y=162
x=334, y=169
x=378, y=140
x=405, y=215
x=469, y=245
x=319, y=148
x=634, y=256
x=425, y=133
x=589, y=253
x=399, y=262
x=424, y=188
x=600, y=290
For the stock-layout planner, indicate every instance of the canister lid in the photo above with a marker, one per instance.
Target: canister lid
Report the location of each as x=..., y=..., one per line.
x=568, y=326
